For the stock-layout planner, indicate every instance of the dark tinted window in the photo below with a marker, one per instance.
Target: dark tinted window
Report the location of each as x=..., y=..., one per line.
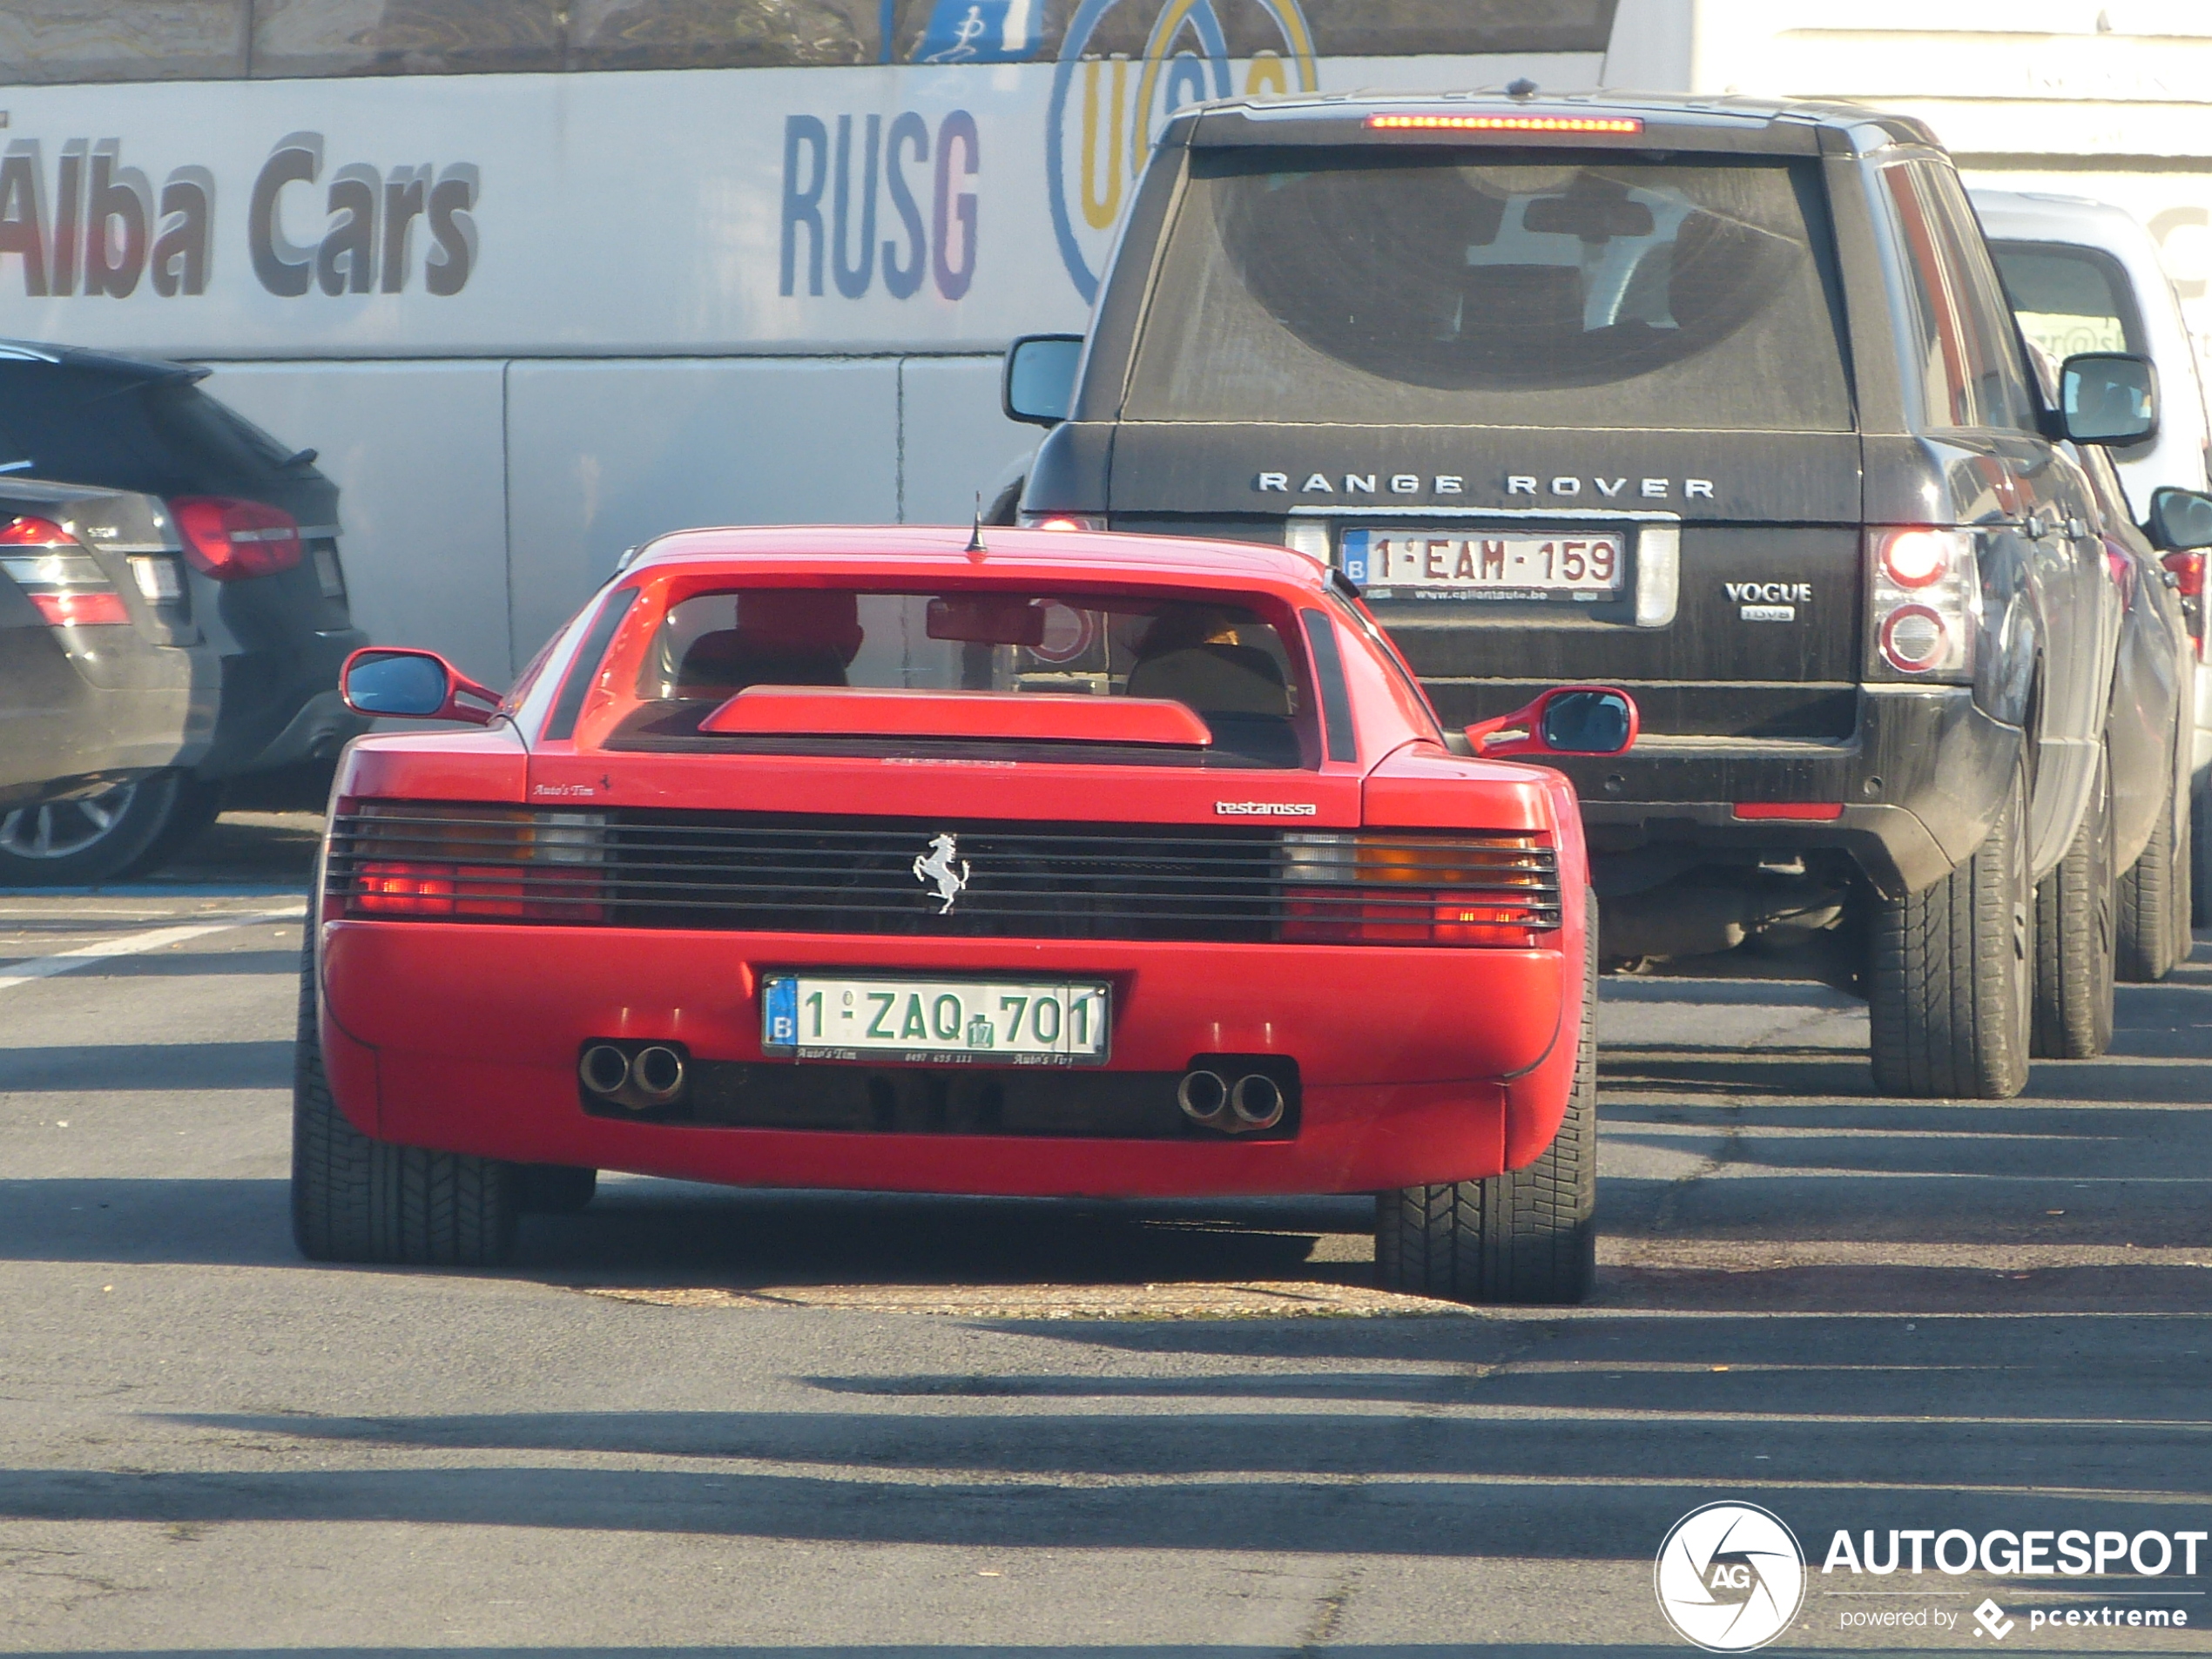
x=1510, y=290
x=1223, y=661
x=2070, y=298
x=1966, y=349
x=164, y=436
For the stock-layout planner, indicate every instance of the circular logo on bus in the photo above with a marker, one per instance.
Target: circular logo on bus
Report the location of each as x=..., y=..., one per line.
x=1119, y=80
x=1730, y=1577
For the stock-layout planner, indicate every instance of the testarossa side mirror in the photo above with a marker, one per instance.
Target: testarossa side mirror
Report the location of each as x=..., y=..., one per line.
x=1566, y=721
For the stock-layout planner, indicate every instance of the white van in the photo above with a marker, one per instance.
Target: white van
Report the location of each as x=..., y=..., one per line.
x=2085, y=276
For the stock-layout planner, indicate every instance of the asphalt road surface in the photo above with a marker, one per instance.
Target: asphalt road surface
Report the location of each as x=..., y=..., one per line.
x=706, y=1421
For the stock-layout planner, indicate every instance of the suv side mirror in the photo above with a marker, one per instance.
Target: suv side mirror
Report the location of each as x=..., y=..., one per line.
x=1039, y=386
x=2181, y=520
x=2108, y=397
x=414, y=684
x=1566, y=720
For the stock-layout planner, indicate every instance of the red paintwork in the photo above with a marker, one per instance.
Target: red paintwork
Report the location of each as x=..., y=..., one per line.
x=1418, y=1064
x=866, y=711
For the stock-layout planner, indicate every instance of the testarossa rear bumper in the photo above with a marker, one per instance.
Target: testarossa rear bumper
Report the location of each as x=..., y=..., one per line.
x=1418, y=1065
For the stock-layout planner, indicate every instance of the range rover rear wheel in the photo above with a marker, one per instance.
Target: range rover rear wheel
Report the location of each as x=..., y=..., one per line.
x=1950, y=984
x=356, y=1199
x=2076, y=936
x=1527, y=1236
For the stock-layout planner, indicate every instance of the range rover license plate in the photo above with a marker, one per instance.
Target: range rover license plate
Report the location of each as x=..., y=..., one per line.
x=1582, y=568
x=925, y=1022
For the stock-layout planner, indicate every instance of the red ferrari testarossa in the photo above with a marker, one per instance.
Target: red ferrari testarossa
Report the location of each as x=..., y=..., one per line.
x=1077, y=864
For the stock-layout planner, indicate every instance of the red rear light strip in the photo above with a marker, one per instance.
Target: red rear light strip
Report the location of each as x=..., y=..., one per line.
x=393, y=888
x=28, y=531
x=1812, y=811
x=80, y=609
x=1509, y=123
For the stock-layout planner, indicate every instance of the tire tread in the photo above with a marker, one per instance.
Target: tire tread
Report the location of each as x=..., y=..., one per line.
x=1526, y=1236
x=358, y=1200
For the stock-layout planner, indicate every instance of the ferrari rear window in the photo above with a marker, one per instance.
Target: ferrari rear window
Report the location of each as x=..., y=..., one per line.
x=1223, y=660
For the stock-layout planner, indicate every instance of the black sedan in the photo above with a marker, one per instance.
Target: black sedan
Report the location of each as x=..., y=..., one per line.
x=259, y=580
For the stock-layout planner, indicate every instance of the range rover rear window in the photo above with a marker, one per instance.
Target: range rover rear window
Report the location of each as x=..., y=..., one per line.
x=1507, y=288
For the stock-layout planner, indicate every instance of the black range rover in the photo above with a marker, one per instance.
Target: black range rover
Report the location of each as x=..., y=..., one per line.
x=1720, y=401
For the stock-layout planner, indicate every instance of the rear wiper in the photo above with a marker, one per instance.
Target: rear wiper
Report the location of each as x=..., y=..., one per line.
x=305, y=457
x=16, y=466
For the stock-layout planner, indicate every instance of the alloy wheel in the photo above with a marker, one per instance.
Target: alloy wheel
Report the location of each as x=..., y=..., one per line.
x=58, y=829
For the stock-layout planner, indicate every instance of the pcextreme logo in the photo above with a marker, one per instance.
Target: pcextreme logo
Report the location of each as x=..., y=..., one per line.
x=1729, y=1577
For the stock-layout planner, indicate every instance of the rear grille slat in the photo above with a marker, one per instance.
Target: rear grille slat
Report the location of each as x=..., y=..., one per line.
x=761, y=872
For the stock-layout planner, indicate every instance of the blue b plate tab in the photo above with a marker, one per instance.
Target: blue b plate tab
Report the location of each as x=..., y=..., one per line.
x=1353, y=558
x=780, y=1009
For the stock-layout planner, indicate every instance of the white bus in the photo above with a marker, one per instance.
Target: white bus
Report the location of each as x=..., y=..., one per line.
x=543, y=278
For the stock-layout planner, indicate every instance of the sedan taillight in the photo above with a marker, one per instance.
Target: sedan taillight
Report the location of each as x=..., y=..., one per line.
x=229, y=540
x=1924, y=603
x=63, y=582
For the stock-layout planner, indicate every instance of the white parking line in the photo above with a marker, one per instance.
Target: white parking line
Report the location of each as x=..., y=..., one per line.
x=40, y=968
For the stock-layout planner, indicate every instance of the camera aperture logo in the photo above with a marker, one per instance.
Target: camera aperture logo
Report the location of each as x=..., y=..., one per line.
x=1730, y=1577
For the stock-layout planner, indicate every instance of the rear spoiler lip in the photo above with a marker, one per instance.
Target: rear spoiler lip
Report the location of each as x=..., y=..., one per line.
x=807, y=711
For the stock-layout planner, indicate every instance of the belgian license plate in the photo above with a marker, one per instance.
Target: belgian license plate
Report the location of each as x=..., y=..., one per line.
x=1582, y=568
x=924, y=1022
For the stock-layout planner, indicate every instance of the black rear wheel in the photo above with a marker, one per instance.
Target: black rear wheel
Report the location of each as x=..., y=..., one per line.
x=2076, y=938
x=90, y=839
x=1949, y=984
x=358, y=1200
x=2153, y=899
x=1527, y=1236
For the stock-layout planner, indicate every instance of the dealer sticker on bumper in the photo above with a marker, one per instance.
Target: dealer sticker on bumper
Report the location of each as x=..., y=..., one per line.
x=925, y=1022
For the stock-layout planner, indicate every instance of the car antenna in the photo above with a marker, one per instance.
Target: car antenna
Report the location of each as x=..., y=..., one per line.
x=975, y=536
x=1521, y=88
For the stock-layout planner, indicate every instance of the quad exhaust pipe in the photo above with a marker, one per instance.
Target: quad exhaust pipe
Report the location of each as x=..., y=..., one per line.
x=1257, y=1101
x=649, y=1077
x=1252, y=1102
x=658, y=1074
x=604, y=1069
x=1204, y=1096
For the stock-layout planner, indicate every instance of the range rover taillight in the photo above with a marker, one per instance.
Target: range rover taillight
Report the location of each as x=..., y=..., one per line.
x=1924, y=603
